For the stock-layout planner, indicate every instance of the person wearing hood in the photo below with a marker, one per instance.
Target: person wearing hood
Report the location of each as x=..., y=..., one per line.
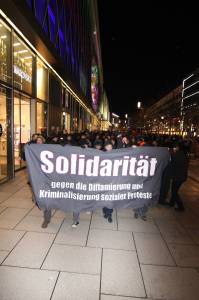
x=83, y=143
x=98, y=144
x=107, y=212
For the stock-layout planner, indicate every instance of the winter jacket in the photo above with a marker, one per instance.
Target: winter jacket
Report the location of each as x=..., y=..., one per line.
x=180, y=164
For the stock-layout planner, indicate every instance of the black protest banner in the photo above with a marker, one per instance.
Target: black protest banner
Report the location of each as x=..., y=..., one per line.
x=78, y=179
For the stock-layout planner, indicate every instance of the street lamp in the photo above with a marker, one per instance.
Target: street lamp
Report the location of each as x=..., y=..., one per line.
x=139, y=105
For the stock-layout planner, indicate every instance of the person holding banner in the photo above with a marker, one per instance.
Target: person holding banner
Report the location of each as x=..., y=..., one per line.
x=98, y=146
x=180, y=164
x=47, y=213
x=107, y=212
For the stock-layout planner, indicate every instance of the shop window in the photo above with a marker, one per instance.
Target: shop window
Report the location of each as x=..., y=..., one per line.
x=5, y=134
x=23, y=60
x=67, y=95
x=77, y=116
x=5, y=63
x=63, y=97
x=21, y=128
x=42, y=118
x=42, y=80
x=55, y=90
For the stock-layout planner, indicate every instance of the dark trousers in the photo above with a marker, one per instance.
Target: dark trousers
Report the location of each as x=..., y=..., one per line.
x=175, y=197
x=108, y=211
x=47, y=215
x=165, y=185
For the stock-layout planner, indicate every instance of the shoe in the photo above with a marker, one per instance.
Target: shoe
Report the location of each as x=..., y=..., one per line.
x=144, y=218
x=105, y=216
x=179, y=209
x=45, y=224
x=110, y=220
x=167, y=203
x=75, y=224
x=136, y=215
x=28, y=182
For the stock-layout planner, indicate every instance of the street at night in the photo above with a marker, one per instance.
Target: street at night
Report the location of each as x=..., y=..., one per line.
x=99, y=150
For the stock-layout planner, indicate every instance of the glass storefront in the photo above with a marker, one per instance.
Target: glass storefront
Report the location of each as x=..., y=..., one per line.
x=35, y=96
x=42, y=118
x=5, y=133
x=23, y=62
x=21, y=128
x=42, y=80
x=5, y=61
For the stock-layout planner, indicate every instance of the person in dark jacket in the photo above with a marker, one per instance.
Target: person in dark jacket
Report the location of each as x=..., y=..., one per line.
x=107, y=212
x=83, y=143
x=69, y=140
x=180, y=164
x=98, y=144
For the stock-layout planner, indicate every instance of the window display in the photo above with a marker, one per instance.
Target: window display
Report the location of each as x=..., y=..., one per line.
x=42, y=80
x=42, y=118
x=23, y=58
x=21, y=127
x=5, y=136
x=5, y=38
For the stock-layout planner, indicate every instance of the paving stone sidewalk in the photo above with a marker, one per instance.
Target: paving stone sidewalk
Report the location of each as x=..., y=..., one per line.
x=128, y=259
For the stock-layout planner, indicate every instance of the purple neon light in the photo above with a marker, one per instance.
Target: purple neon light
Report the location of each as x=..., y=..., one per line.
x=73, y=59
x=61, y=34
x=51, y=14
x=68, y=49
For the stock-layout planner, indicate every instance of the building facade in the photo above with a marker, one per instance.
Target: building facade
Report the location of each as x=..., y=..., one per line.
x=51, y=74
x=105, y=113
x=190, y=104
x=164, y=116
x=115, y=121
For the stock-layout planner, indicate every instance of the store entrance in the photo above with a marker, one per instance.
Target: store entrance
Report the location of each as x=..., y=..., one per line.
x=5, y=133
x=21, y=128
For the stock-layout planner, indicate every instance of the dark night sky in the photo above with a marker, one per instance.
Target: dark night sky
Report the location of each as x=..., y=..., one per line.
x=148, y=47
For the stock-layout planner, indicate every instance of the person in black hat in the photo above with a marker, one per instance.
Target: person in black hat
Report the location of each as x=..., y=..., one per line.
x=98, y=144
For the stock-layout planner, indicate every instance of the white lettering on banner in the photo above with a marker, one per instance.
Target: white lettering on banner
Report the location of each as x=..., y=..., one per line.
x=97, y=197
x=93, y=167
x=22, y=74
x=48, y=167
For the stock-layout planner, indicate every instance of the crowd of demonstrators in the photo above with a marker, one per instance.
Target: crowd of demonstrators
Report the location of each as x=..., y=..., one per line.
x=108, y=140
x=118, y=139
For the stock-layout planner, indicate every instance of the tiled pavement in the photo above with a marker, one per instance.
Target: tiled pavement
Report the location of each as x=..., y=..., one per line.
x=128, y=259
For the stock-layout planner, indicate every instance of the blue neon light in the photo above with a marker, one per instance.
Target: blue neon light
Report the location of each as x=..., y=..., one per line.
x=68, y=49
x=51, y=14
x=61, y=35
